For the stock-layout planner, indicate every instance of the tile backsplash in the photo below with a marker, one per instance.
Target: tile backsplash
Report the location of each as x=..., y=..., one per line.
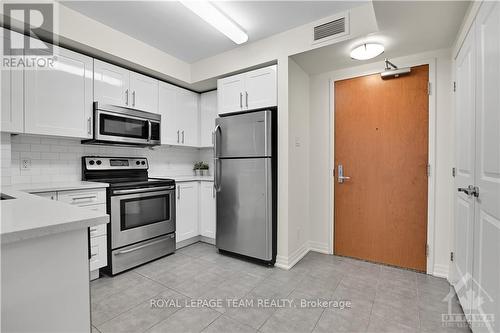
x=56, y=159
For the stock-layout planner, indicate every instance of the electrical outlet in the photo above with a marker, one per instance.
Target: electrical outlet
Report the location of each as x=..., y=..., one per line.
x=25, y=164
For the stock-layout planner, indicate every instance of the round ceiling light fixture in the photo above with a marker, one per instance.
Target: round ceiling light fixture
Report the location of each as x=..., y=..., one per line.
x=367, y=51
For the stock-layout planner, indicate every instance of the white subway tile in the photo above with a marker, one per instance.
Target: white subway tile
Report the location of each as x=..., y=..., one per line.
x=32, y=155
x=21, y=179
x=29, y=139
x=6, y=181
x=49, y=141
x=58, y=149
x=50, y=156
x=21, y=147
x=40, y=148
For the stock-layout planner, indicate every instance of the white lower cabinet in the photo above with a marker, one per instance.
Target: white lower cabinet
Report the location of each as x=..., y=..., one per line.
x=207, y=209
x=94, y=199
x=186, y=211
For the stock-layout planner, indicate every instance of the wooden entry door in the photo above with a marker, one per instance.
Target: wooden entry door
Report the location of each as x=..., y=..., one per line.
x=381, y=142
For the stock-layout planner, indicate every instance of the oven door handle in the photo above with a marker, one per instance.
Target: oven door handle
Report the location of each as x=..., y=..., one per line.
x=140, y=247
x=142, y=190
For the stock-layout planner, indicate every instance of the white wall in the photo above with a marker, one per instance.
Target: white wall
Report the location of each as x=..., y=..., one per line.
x=298, y=159
x=320, y=172
x=59, y=159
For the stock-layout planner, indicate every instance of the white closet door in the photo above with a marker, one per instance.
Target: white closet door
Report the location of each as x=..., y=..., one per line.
x=465, y=157
x=487, y=173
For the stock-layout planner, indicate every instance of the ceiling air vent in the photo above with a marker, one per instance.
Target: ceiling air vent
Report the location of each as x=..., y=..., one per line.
x=328, y=30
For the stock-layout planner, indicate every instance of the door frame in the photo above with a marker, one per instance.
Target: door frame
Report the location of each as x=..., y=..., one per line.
x=431, y=181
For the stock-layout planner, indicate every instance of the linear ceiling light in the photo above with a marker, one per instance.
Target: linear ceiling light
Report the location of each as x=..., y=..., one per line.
x=217, y=19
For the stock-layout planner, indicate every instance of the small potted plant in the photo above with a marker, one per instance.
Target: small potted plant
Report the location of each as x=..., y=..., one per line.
x=201, y=169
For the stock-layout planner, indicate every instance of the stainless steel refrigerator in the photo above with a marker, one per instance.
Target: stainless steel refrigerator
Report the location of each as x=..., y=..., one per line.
x=245, y=184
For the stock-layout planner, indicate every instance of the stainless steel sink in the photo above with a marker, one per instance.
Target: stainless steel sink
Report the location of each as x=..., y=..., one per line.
x=5, y=197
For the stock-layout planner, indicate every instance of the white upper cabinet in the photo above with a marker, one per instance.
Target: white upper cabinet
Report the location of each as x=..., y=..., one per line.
x=187, y=107
x=207, y=210
x=111, y=84
x=260, y=88
x=58, y=100
x=167, y=99
x=230, y=94
x=118, y=86
x=11, y=93
x=186, y=211
x=143, y=92
x=248, y=91
x=208, y=113
x=179, y=115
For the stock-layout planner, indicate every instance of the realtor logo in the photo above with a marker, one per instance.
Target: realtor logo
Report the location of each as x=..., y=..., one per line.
x=37, y=20
x=474, y=301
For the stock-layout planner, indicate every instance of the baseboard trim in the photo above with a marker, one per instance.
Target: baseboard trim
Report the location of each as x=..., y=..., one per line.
x=290, y=261
x=207, y=240
x=319, y=247
x=186, y=242
x=441, y=271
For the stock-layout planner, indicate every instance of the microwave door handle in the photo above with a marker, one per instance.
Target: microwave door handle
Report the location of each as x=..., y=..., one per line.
x=149, y=130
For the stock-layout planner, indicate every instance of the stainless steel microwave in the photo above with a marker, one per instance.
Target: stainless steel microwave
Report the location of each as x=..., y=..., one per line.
x=123, y=126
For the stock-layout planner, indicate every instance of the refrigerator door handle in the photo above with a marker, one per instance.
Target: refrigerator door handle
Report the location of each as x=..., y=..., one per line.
x=216, y=159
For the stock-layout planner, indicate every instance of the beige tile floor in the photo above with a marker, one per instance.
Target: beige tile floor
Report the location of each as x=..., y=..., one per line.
x=383, y=299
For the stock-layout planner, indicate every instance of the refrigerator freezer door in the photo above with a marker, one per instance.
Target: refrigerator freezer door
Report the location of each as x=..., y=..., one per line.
x=244, y=135
x=244, y=207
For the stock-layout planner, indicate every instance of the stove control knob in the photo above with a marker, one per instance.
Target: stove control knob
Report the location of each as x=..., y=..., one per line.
x=91, y=162
x=137, y=162
x=143, y=163
x=98, y=162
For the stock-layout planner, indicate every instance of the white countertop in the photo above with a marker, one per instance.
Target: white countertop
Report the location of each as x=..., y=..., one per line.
x=192, y=178
x=29, y=216
x=57, y=186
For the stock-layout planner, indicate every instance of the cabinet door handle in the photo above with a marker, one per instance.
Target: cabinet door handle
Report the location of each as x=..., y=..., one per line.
x=178, y=192
x=241, y=100
x=133, y=98
x=246, y=98
x=89, y=124
x=126, y=97
x=183, y=136
x=178, y=136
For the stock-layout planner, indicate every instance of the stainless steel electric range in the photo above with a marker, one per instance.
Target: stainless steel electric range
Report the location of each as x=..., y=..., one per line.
x=141, y=209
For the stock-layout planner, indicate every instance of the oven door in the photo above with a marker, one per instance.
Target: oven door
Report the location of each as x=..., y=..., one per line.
x=141, y=214
x=117, y=127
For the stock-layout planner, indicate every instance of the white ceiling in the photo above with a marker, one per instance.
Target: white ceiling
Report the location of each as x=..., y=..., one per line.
x=405, y=27
x=172, y=28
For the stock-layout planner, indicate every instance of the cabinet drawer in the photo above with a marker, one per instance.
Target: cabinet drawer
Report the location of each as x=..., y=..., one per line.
x=98, y=253
x=98, y=230
x=83, y=197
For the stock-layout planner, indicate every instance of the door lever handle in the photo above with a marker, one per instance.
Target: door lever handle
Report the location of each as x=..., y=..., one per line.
x=341, y=178
x=471, y=190
x=465, y=190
